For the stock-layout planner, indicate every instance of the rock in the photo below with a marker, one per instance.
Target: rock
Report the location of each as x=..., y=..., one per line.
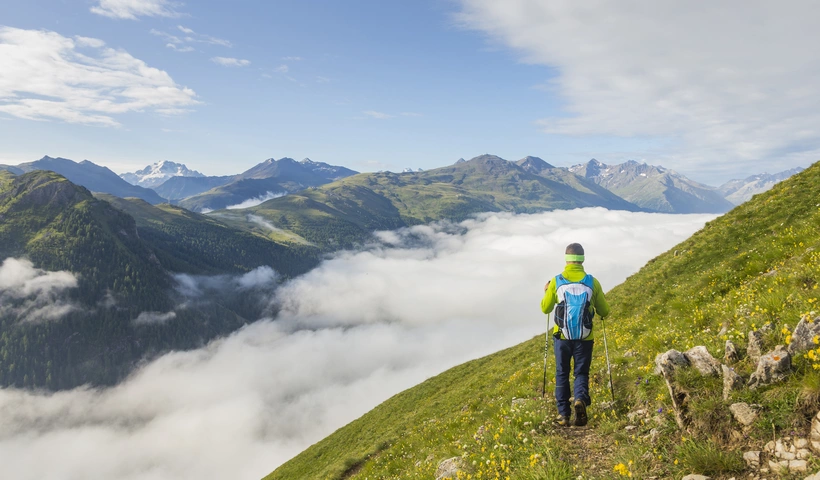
x=755, y=345
x=630, y=428
x=730, y=355
x=654, y=434
x=636, y=415
x=780, y=467
x=752, y=459
x=798, y=466
x=801, y=443
x=803, y=335
x=703, y=361
x=630, y=353
x=666, y=363
x=772, y=367
x=731, y=381
x=743, y=413
x=695, y=476
x=816, y=476
x=448, y=468
x=814, y=439
x=517, y=402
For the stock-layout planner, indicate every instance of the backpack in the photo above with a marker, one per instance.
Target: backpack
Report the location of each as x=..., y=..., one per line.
x=573, y=314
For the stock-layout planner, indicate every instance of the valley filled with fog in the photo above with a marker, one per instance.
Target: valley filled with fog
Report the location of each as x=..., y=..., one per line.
x=354, y=331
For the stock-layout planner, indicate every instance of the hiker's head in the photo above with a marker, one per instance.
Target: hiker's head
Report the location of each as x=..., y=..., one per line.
x=574, y=253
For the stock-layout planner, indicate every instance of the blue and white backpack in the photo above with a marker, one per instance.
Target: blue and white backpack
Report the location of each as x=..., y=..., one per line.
x=573, y=314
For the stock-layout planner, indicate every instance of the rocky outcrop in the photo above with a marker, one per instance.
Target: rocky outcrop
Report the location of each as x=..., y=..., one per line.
x=804, y=334
x=730, y=354
x=703, y=361
x=731, y=381
x=772, y=367
x=666, y=363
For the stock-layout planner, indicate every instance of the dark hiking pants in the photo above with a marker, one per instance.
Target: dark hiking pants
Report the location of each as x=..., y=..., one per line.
x=580, y=352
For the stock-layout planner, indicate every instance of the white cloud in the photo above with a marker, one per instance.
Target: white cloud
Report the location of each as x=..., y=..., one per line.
x=358, y=329
x=263, y=223
x=721, y=85
x=48, y=76
x=292, y=59
x=131, y=9
x=179, y=43
x=378, y=115
x=184, y=49
x=148, y=318
x=252, y=202
x=230, y=62
x=185, y=29
x=31, y=294
x=282, y=69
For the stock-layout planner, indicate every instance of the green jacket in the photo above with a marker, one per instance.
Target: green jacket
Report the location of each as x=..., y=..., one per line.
x=574, y=272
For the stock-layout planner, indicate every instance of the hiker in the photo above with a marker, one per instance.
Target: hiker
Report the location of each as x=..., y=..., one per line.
x=576, y=297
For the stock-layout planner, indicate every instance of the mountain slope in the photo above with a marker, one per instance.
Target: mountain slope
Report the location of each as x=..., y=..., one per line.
x=154, y=175
x=92, y=177
x=739, y=191
x=758, y=264
x=654, y=188
x=177, y=188
x=270, y=177
x=345, y=212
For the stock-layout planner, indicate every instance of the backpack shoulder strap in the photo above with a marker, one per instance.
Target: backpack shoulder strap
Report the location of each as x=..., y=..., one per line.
x=588, y=281
x=560, y=281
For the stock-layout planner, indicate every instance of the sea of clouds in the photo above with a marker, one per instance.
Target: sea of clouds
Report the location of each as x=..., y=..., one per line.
x=359, y=328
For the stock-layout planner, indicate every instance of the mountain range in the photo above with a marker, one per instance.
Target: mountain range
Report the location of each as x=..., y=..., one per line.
x=158, y=173
x=739, y=191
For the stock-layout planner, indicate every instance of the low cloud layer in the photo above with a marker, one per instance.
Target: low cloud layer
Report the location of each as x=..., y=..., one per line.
x=354, y=331
x=252, y=202
x=80, y=80
x=31, y=294
x=718, y=86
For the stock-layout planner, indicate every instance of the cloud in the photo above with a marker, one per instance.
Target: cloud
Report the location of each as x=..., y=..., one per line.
x=184, y=49
x=282, y=69
x=353, y=332
x=131, y=9
x=252, y=202
x=79, y=80
x=378, y=115
x=263, y=223
x=210, y=286
x=190, y=37
x=720, y=86
x=31, y=294
x=230, y=62
x=148, y=318
x=291, y=59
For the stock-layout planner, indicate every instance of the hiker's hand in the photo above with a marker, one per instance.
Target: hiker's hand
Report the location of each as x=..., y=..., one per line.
x=547, y=285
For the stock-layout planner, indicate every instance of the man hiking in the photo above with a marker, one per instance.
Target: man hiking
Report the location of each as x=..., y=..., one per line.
x=576, y=297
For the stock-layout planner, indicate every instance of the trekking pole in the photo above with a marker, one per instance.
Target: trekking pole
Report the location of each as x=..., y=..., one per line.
x=546, y=347
x=608, y=366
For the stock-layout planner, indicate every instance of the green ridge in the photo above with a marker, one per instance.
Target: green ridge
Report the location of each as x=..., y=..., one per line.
x=757, y=264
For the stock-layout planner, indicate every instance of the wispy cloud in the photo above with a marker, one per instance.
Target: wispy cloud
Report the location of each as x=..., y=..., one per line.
x=132, y=9
x=80, y=80
x=378, y=115
x=184, y=49
x=282, y=69
x=291, y=59
x=359, y=334
x=33, y=295
x=252, y=202
x=719, y=82
x=182, y=43
x=230, y=62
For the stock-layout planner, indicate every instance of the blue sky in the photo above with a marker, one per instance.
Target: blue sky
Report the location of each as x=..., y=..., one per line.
x=376, y=85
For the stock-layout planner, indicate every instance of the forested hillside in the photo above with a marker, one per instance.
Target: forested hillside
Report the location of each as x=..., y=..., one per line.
x=88, y=292
x=749, y=277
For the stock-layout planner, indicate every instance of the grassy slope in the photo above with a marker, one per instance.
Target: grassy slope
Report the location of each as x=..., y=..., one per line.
x=757, y=264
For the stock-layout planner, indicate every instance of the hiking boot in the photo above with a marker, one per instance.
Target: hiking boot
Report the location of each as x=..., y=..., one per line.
x=580, y=413
x=563, y=421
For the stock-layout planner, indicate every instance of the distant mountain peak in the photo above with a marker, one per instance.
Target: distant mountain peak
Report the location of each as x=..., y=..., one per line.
x=158, y=173
x=460, y=160
x=533, y=164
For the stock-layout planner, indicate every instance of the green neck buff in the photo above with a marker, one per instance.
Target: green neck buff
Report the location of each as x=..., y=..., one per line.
x=574, y=258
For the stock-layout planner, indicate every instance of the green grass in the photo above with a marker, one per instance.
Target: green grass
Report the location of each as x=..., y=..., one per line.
x=758, y=264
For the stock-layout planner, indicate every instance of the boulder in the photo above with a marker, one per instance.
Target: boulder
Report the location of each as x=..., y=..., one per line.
x=752, y=459
x=803, y=335
x=730, y=355
x=703, y=361
x=449, y=468
x=743, y=413
x=772, y=367
x=731, y=381
x=666, y=363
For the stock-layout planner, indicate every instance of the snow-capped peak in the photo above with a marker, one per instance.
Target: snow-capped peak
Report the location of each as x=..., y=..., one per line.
x=156, y=174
